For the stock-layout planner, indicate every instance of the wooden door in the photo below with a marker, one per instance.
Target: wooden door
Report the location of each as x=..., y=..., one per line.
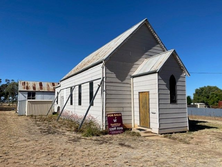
x=144, y=109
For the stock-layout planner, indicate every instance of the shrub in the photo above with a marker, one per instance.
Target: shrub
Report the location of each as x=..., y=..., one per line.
x=90, y=129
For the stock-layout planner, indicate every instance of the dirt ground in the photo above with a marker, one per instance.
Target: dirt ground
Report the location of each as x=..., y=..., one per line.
x=26, y=142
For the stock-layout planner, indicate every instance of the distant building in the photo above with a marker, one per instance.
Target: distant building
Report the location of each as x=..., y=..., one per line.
x=35, y=98
x=199, y=105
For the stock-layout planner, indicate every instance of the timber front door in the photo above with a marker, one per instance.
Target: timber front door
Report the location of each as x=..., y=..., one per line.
x=144, y=109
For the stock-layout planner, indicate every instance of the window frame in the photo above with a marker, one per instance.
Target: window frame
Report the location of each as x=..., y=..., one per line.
x=80, y=95
x=173, y=89
x=57, y=98
x=31, y=95
x=91, y=91
x=71, y=96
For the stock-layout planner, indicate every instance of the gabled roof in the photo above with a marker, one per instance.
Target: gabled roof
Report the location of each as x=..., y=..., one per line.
x=155, y=63
x=107, y=50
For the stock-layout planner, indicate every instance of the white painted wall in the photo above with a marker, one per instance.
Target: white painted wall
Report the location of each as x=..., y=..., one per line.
x=38, y=95
x=85, y=76
x=121, y=65
x=173, y=116
x=45, y=95
x=22, y=96
x=143, y=84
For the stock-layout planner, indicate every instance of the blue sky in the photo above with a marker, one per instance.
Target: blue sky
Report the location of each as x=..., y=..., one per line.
x=42, y=40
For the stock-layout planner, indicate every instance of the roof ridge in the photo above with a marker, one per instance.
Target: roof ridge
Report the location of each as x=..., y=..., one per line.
x=104, y=52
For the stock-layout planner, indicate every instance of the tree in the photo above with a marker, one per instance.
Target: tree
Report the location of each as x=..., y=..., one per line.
x=189, y=100
x=3, y=94
x=7, y=81
x=12, y=90
x=8, y=90
x=210, y=95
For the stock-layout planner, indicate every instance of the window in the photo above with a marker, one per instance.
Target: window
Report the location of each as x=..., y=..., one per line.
x=57, y=97
x=91, y=92
x=31, y=95
x=71, y=97
x=173, y=98
x=80, y=95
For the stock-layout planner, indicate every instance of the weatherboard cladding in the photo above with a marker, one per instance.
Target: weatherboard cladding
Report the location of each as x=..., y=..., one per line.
x=91, y=74
x=105, y=51
x=37, y=86
x=172, y=117
x=122, y=65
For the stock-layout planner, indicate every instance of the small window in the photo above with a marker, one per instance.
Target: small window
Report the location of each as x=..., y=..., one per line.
x=91, y=92
x=80, y=95
x=31, y=95
x=71, y=96
x=57, y=97
x=173, y=97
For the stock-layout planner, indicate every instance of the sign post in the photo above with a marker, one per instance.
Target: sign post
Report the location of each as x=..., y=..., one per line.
x=115, y=123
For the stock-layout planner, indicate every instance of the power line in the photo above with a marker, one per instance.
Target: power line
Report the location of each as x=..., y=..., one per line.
x=206, y=73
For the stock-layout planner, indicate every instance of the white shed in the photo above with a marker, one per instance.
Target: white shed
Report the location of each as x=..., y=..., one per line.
x=35, y=98
x=136, y=76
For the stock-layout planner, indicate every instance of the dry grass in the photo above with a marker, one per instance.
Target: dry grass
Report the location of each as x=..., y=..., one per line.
x=42, y=141
x=7, y=107
x=51, y=122
x=88, y=129
x=198, y=126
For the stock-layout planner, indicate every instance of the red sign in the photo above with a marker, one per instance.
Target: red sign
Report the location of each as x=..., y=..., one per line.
x=115, y=123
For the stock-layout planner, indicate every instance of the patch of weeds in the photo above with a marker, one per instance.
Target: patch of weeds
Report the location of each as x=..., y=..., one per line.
x=69, y=123
x=90, y=129
x=104, y=132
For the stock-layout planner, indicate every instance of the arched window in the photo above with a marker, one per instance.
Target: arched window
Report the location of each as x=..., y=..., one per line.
x=173, y=97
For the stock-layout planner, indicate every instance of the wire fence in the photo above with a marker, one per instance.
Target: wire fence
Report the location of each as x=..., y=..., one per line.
x=208, y=112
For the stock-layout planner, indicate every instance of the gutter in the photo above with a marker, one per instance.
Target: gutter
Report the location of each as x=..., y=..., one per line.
x=144, y=73
x=84, y=69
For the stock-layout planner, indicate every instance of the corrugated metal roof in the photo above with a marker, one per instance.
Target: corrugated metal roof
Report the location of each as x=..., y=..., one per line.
x=105, y=51
x=37, y=86
x=155, y=63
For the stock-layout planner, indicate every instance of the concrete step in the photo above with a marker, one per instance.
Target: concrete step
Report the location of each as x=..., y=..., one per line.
x=144, y=132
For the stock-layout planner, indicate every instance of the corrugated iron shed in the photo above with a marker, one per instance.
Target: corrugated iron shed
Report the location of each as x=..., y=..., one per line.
x=37, y=86
x=155, y=63
x=104, y=52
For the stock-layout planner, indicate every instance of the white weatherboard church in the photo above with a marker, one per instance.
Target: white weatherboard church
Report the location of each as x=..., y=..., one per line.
x=136, y=76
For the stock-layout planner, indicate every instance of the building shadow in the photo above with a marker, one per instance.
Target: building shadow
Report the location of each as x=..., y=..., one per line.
x=196, y=125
